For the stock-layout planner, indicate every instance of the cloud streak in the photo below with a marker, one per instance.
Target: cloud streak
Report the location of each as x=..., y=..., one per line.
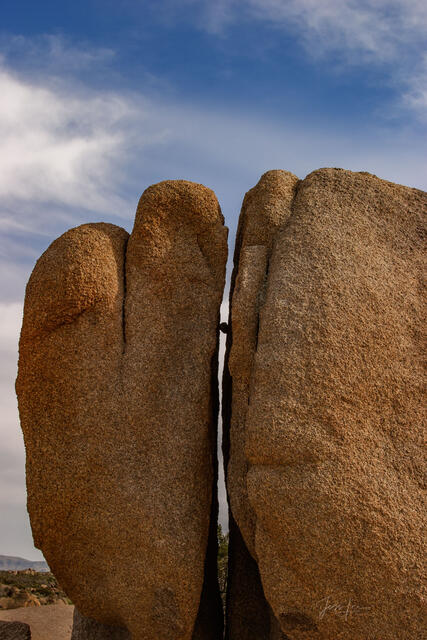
x=415, y=96
x=375, y=29
x=385, y=34
x=58, y=147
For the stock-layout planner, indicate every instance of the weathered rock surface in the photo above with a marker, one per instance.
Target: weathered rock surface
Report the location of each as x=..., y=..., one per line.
x=14, y=631
x=89, y=629
x=323, y=399
x=117, y=398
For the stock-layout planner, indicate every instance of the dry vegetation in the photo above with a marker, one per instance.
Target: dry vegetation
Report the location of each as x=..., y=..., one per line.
x=29, y=588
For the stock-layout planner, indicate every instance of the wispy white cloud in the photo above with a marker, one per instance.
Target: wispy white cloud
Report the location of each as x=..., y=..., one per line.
x=385, y=34
x=53, y=52
x=378, y=28
x=415, y=96
x=373, y=29
x=390, y=34
x=59, y=146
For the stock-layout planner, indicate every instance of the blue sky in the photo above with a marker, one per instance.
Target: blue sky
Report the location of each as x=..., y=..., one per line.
x=100, y=98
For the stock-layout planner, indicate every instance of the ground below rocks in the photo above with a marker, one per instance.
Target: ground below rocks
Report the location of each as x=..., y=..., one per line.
x=51, y=622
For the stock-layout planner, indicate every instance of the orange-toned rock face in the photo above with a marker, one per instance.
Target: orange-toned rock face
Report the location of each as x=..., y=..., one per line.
x=327, y=455
x=116, y=402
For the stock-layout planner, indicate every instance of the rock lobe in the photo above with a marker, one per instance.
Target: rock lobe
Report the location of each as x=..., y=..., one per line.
x=325, y=407
x=117, y=399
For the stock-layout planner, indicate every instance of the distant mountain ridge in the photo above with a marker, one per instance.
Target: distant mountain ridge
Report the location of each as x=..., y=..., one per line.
x=10, y=563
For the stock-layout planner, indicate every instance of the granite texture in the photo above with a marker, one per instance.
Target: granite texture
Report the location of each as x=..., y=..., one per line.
x=117, y=398
x=89, y=629
x=325, y=409
x=14, y=631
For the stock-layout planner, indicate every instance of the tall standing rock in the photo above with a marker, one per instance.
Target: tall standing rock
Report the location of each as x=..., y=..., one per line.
x=324, y=406
x=118, y=400
x=265, y=210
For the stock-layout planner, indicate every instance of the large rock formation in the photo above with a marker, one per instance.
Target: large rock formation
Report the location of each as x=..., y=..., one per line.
x=324, y=406
x=117, y=397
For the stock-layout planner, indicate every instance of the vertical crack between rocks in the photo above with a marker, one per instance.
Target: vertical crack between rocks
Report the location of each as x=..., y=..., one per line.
x=124, y=295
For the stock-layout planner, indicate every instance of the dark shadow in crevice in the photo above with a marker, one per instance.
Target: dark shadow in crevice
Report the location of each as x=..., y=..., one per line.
x=248, y=615
x=210, y=619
